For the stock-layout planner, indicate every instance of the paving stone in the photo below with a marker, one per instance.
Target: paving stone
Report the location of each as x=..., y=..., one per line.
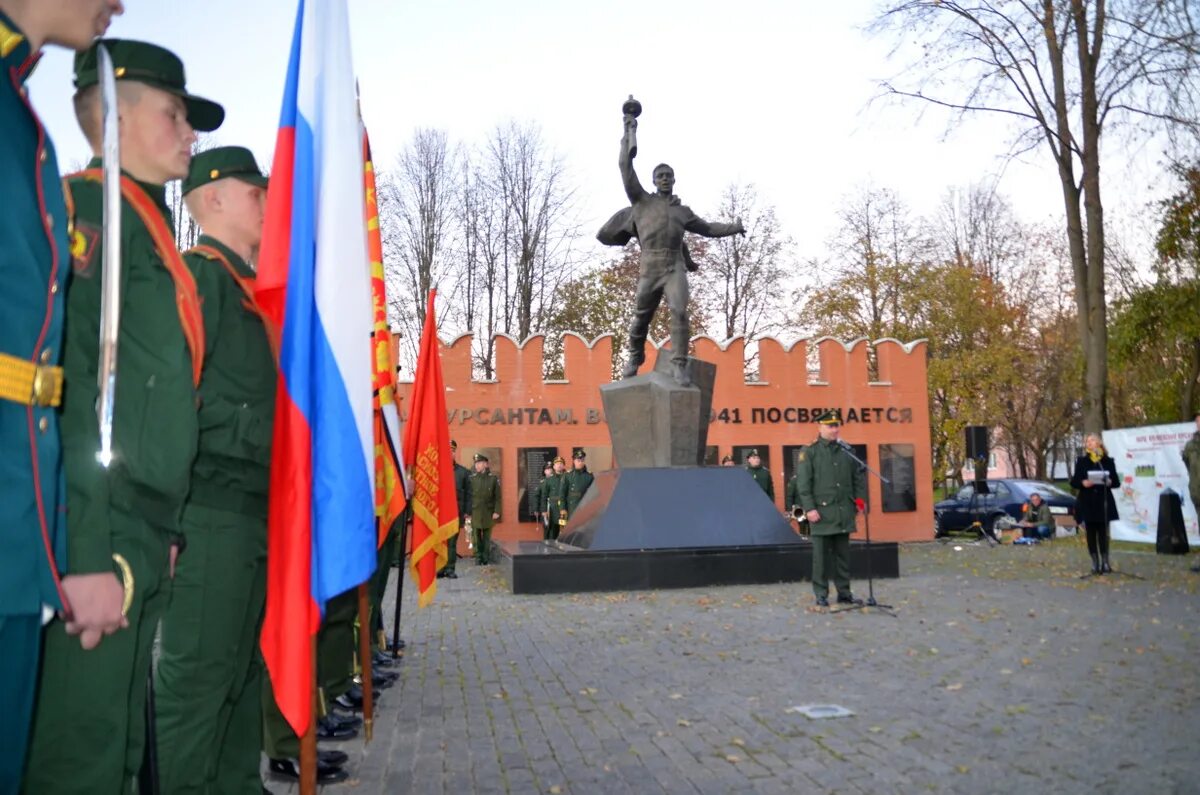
x=1001, y=672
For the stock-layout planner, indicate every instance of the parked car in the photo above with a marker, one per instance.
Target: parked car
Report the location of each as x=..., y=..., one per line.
x=1005, y=497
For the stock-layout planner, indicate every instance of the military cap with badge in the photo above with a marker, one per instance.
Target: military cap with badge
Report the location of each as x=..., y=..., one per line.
x=157, y=67
x=224, y=162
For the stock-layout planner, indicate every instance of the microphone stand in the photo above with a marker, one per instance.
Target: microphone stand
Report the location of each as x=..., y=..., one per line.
x=848, y=450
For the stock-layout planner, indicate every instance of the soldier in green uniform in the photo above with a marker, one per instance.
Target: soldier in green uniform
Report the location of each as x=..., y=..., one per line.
x=830, y=487
x=335, y=643
x=556, y=502
x=542, y=498
x=1191, y=457
x=34, y=263
x=209, y=714
x=727, y=461
x=792, y=509
x=791, y=496
x=462, y=493
x=485, y=508
x=760, y=474
x=89, y=728
x=576, y=482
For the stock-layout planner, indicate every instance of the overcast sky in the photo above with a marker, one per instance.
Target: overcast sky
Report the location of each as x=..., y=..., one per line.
x=777, y=93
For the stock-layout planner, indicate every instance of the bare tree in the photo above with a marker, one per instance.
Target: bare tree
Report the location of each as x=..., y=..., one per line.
x=530, y=183
x=1063, y=70
x=875, y=250
x=975, y=226
x=481, y=279
x=424, y=183
x=741, y=276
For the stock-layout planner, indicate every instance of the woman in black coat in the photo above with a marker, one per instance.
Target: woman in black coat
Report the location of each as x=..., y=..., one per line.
x=1094, y=505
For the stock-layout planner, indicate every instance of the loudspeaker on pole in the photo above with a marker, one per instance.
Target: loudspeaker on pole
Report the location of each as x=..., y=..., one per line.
x=977, y=442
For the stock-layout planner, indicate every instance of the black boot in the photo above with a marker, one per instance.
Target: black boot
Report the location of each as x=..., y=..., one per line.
x=1105, y=566
x=1095, y=563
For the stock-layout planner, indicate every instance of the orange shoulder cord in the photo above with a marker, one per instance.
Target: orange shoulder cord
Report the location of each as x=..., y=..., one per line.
x=247, y=287
x=187, y=297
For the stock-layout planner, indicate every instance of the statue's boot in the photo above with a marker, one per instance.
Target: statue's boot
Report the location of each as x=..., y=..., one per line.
x=636, y=357
x=679, y=348
x=680, y=371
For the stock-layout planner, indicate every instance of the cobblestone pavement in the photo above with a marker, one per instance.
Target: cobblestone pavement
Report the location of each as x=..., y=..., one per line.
x=1002, y=671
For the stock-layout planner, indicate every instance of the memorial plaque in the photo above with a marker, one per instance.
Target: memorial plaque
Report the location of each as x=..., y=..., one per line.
x=531, y=461
x=897, y=464
x=860, y=450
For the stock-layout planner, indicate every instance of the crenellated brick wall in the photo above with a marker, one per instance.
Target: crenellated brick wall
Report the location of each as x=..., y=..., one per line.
x=518, y=408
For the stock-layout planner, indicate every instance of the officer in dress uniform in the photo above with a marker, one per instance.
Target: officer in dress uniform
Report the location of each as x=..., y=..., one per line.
x=576, y=482
x=831, y=488
x=34, y=263
x=485, y=508
x=89, y=730
x=761, y=476
x=209, y=714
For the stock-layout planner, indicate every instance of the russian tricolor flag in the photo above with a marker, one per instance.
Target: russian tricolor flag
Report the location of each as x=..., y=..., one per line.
x=314, y=282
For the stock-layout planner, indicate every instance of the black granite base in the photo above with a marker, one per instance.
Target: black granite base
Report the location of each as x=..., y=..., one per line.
x=538, y=567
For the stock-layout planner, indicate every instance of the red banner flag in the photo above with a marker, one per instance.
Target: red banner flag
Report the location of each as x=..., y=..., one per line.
x=389, y=490
x=427, y=451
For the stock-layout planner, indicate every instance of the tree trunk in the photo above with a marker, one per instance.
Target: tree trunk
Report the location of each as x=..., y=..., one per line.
x=1095, y=341
x=1187, y=400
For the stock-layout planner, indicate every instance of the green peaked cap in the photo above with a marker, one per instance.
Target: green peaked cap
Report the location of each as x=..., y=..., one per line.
x=155, y=66
x=220, y=162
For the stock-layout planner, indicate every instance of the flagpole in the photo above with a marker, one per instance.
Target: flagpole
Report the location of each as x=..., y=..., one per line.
x=364, y=660
x=308, y=743
x=399, y=584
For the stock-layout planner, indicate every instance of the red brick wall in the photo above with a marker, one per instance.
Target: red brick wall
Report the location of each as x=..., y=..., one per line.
x=773, y=412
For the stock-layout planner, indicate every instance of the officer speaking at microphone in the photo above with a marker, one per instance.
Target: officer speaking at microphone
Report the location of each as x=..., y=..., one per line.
x=831, y=489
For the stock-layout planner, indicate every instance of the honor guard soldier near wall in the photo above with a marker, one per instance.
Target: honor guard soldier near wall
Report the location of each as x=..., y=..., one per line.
x=209, y=675
x=542, y=498
x=791, y=505
x=89, y=727
x=576, y=483
x=727, y=461
x=485, y=508
x=34, y=263
x=761, y=476
x=462, y=493
x=1191, y=457
x=830, y=488
x=556, y=497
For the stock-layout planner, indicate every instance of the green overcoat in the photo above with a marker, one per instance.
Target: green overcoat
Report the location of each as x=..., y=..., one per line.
x=828, y=481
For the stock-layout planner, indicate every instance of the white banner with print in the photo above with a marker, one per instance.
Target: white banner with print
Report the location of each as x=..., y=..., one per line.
x=1149, y=461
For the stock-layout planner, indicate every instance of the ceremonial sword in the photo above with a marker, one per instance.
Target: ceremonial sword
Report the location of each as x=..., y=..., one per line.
x=110, y=326
x=110, y=286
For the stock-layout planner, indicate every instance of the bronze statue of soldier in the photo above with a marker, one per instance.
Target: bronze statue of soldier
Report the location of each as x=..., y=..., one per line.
x=658, y=220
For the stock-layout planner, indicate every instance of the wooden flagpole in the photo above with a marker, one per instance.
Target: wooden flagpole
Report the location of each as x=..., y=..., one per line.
x=364, y=660
x=308, y=743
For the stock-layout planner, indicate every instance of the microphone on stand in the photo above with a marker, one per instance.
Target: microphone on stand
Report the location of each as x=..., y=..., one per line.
x=842, y=443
